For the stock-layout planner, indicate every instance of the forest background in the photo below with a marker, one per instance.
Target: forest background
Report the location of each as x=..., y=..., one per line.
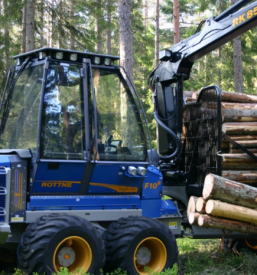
x=140, y=28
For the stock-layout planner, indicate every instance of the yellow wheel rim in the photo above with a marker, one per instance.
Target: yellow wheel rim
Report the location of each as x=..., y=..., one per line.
x=252, y=243
x=151, y=253
x=74, y=253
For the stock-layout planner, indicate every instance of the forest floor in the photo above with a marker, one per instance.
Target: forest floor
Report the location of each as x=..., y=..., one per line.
x=207, y=257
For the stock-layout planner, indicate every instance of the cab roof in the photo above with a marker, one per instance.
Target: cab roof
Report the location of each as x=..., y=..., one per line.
x=64, y=54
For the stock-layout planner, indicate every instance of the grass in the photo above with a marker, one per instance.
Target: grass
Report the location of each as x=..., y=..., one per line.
x=206, y=257
x=200, y=257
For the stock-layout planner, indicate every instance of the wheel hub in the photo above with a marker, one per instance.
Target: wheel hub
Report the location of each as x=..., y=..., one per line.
x=66, y=256
x=143, y=255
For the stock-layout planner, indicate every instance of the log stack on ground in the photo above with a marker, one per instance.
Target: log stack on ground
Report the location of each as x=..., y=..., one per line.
x=237, y=119
x=227, y=205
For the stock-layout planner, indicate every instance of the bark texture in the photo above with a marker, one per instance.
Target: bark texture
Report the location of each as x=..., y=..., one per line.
x=225, y=224
x=126, y=49
x=230, y=211
x=220, y=188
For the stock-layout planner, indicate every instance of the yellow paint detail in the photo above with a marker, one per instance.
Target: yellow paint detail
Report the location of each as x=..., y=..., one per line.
x=152, y=185
x=158, y=254
x=83, y=254
x=173, y=225
x=118, y=188
x=61, y=184
x=241, y=18
x=19, y=193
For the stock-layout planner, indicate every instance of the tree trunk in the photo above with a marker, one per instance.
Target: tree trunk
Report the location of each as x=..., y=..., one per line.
x=176, y=21
x=6, y=39
x=157, y=35
x=98, y=29
x=23, y=42
x=126, y=49
x=146, y=13
x=72, y=44
x=238, y=68
x=213, y=222
x=108, y=34
x=30, y=25
x=231, y=211
x=220, y=188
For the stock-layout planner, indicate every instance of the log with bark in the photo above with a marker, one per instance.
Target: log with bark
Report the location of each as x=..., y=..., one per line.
x=238, y=158
x=216, y=187
x=230, y=105
x=239, y=128
x=237, y=115
x=241, y=176
x=231, y=211
x=226, y=224
x=234, y=97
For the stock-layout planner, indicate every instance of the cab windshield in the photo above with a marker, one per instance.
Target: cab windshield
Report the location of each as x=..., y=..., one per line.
x=22, y=109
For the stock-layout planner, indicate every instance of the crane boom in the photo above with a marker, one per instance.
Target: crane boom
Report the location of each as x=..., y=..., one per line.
x=216, y=32
x=176, y=64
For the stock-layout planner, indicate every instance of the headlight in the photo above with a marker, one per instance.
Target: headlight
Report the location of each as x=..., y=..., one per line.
x=73, y=57
x=59, y=55
x=132, y=170
x=97, y=60
x=141, y=171
x=107, y=61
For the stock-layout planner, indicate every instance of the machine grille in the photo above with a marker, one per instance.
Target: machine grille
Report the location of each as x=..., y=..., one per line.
x=3, y=193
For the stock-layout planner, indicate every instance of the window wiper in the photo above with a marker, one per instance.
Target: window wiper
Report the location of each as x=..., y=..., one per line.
x=6, y=104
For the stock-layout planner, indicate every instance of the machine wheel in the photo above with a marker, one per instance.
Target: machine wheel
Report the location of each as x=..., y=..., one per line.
x=135, y=243
x=60, y=240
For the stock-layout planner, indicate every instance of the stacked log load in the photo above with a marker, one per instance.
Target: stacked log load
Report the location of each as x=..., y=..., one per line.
x=226, y=205
x=200, y=134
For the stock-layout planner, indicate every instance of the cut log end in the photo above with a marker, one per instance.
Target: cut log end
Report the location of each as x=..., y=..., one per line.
x=191, y=205
x=193, y=218
x=208, y=186
x=200, y=205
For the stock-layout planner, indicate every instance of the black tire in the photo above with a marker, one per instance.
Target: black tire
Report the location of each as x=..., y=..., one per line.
x=60, y=240
x=136, y=242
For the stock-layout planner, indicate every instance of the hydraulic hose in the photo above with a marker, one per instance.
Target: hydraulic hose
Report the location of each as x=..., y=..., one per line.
x=173, y=135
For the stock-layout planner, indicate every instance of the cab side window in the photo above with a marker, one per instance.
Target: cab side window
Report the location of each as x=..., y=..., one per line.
x=62, y=132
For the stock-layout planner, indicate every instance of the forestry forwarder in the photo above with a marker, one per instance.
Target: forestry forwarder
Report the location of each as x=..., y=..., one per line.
x=81, y=186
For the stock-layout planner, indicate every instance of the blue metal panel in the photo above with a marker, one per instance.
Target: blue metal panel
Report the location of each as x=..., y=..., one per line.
x=168, y=207
x=64, y=180
x=113, y=179
x=152, y=185
x=158, y=207
x=5, y=161
x=84, y=202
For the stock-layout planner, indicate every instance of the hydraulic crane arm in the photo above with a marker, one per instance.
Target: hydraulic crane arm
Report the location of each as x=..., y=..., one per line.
x=177, y=63
x=216, y=32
